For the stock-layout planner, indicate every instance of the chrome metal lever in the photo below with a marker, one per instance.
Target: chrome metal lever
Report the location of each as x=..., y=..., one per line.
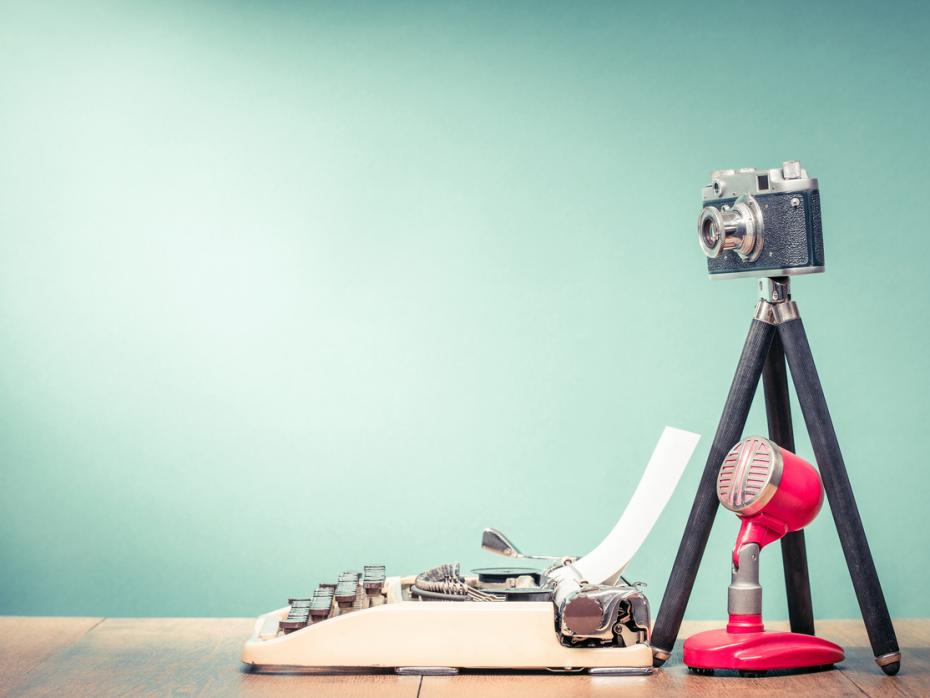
x=496, y=542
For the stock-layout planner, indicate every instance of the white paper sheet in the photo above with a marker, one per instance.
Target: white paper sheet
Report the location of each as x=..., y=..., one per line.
x=655, y=488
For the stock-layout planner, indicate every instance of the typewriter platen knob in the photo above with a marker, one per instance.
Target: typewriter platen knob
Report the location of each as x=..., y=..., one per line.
x=582, y=615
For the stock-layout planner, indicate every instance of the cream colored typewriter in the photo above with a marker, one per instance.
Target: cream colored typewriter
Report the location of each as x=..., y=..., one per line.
x=576, y=614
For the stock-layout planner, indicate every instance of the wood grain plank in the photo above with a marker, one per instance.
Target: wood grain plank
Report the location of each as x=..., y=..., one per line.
x=860, y=667
x=146, y=657
x=857, y=676
x=675, y=680
x=26, y=642
x=75, y=657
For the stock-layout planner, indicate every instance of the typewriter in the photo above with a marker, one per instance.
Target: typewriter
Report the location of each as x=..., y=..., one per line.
x=576, y=614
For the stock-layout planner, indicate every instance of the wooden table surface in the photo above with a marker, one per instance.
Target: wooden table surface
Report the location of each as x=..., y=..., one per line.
x=189, y=656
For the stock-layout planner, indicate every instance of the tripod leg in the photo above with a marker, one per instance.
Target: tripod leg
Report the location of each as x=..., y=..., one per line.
x=793, y=549
x=840, y=495
x=704, y=509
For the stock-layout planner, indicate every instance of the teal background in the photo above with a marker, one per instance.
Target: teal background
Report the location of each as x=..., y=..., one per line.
x=288, y=288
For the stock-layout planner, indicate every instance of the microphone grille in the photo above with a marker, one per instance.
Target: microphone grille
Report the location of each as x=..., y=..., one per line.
x=749, y=475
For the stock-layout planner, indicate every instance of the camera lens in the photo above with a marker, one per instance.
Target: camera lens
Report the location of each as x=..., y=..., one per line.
x=711, y=231
x=737, y=227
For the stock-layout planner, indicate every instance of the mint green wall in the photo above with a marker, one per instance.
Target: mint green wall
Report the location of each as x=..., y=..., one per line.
x=285, y=290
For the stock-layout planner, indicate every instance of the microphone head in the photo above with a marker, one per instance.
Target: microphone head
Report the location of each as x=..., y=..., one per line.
x=750, y=475
x=759, y=478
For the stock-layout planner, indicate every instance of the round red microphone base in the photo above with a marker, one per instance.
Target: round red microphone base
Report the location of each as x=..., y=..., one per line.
x=756, y=652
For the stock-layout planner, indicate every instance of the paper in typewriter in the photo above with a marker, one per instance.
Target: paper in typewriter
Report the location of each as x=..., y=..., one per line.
x=652, y=494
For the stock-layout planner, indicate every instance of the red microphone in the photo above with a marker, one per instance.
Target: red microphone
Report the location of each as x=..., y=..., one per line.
x=774, y=492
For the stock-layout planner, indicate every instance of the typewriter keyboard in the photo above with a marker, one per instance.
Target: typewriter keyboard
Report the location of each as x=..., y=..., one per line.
x=351, y=592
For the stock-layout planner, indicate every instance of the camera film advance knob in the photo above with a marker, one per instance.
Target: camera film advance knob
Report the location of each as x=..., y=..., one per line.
x=737, y=227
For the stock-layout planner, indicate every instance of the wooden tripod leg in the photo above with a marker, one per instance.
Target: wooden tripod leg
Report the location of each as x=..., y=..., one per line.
x=793, y=549
x=840, y=495
x=704, y=508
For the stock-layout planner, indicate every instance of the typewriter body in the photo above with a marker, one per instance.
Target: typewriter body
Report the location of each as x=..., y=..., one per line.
x=576, y=613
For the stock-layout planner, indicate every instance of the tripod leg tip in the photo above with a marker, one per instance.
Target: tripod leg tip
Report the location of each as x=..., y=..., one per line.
x=659, y=657
x=892, y=668
x=890, y=663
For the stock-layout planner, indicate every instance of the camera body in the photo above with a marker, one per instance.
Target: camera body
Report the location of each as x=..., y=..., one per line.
x=762, y=223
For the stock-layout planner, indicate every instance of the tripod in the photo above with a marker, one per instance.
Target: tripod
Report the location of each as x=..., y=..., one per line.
x=777, y=334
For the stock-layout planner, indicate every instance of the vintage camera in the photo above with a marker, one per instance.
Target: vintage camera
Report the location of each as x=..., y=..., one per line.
x=761, y=223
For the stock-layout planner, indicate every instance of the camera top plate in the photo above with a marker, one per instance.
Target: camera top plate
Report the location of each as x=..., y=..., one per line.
x=729, y=184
